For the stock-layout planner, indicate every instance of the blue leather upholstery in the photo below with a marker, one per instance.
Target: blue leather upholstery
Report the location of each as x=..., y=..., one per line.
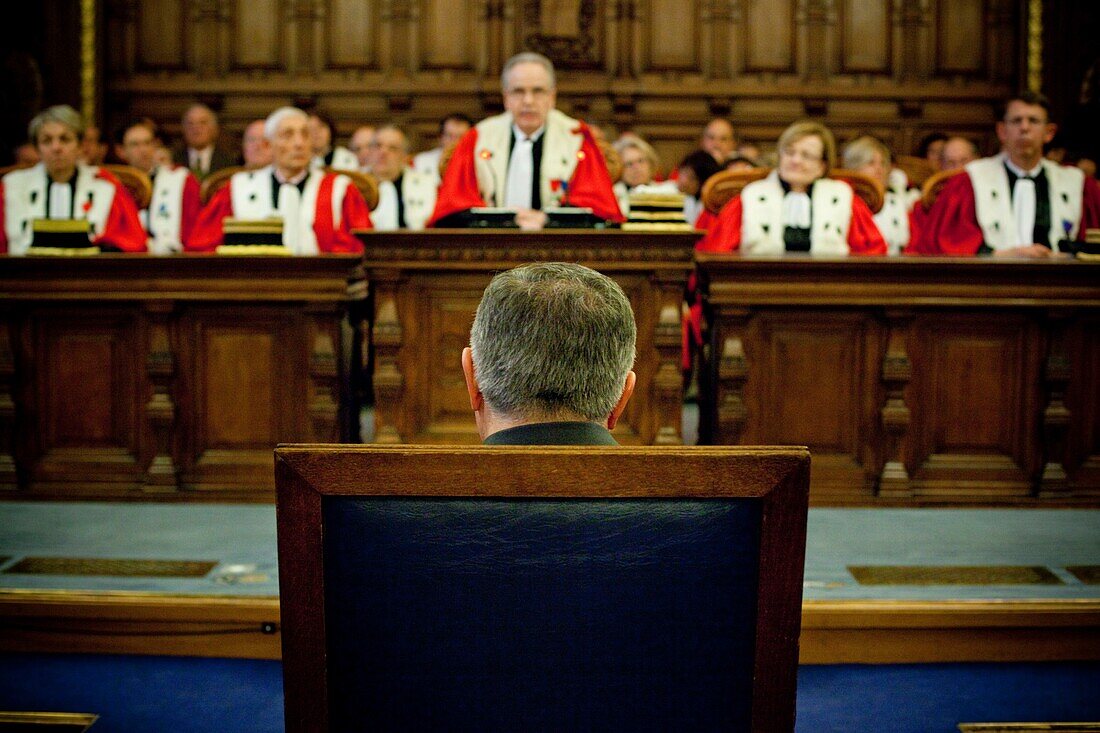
x=540, y=615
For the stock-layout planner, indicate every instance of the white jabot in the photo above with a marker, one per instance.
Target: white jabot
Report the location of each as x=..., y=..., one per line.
x=1023, y=208
x=521, y=174
x=61, y=201
x=290, y=209
x=521, y=170
x=796, y=210
x=384, y=216
x=1023, y=201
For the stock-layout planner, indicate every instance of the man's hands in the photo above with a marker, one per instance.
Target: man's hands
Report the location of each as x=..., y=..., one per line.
x=531, y=220
x=1030, y=251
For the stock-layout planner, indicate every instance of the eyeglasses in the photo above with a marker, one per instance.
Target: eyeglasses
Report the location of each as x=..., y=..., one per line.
x=520, y=93
x=800, y=155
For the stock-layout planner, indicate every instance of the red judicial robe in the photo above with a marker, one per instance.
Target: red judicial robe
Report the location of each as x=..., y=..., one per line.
x=974, y=208
x=753, y=222
x=99, y=198
x=572, y=172
x=330, y=207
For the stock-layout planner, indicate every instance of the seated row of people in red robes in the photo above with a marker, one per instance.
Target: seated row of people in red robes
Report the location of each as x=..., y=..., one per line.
x=318, y=209
x=1015, y=203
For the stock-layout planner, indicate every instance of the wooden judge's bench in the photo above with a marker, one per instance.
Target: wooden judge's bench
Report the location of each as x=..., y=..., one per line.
x=913, y=381
x=140, y=377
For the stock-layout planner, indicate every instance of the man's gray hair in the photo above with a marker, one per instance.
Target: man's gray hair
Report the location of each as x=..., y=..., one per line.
x=271, y=124
x=398, y=129
x=61, y=113
x=527, y=57
x=553, y=341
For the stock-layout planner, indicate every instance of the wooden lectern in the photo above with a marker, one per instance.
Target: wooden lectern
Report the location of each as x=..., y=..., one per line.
x=540, y=588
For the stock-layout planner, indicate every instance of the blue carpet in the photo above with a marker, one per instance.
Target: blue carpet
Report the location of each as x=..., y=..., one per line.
x=241, y=696
x=935, y=698
x=148, y=694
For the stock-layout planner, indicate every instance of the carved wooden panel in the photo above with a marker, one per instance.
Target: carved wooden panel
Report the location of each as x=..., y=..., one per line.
x=165, y=377
x=866, y=38
x=770, y=36
x=979, y=381
x=960, y=47
x=978, y=378
x=84, y=394
x=352, y=30
x=976, y=419
x=237, y=387
x=671, y=45
x=241, y=376
x=806, y=385
x=895, y=68
x=158, y=50
x=258, y=34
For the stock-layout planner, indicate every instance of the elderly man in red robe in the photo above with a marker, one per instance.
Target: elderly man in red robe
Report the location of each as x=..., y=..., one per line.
x=319, y=210
x=1013, y=204
x=528, y=159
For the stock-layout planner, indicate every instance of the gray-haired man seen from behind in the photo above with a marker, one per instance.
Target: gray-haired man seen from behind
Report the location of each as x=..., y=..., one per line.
x=550, y=357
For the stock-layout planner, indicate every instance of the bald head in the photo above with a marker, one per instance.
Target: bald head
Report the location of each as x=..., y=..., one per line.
x=957, y=152
x=719, y=139
x=200, y=127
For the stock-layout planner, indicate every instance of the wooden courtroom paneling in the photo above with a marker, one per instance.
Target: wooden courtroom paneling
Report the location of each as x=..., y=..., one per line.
x=351, y=30
x=958, y=49
x=913, y=380
x=770, y=36
x=165, y=377
x=83, y=389
x=975, y=395
x=155, y=49
x=897, y=69
x=258, y=33
x=426, y=287
x=867, y=35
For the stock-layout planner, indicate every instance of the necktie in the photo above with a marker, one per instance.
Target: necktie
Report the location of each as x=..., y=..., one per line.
x=521, y=175
x=61, y=201
x=290, y=209
x=1023, y=208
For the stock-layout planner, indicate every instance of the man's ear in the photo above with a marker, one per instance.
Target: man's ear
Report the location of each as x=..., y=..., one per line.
x=1048, y=133
x=617, y=411
x=476, y=400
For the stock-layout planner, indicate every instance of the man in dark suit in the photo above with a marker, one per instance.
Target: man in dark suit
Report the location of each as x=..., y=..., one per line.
x=199, y=150
x=550, y=357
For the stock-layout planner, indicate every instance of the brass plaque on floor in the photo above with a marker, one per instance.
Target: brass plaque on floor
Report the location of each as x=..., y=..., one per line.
x=1087, y=574
x=1029, y=727
x=953, y=575
x=20, y=722
x=112, y=567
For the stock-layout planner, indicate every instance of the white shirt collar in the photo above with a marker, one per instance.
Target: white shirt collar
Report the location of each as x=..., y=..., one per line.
x=1020, y=172
x=293, y=181
x=520, y=134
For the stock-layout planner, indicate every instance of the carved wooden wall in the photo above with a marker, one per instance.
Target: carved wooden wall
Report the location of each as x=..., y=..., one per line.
x=896, y=68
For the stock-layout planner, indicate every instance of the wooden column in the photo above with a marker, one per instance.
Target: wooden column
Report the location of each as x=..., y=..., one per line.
x=160, y=410
x=1056, y=414
x=897, y=370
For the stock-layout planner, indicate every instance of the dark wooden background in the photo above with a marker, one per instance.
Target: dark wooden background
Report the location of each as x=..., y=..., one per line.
x=661, y=67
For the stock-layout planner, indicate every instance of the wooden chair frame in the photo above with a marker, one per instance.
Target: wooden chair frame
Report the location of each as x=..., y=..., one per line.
x=308, y=476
